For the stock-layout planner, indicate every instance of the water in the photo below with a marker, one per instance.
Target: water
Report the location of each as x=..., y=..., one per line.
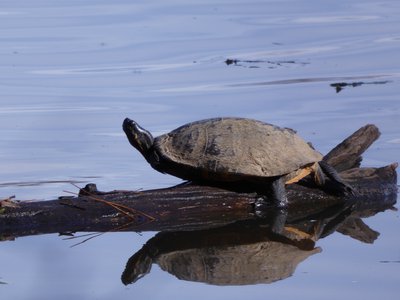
x=70, y=72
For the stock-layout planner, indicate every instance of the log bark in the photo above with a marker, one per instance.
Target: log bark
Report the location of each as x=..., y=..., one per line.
x=193, y=206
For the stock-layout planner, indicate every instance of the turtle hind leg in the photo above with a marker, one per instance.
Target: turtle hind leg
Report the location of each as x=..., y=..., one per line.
x=279, y=193
x=333, y=175
x=280, y=200
x=278, y=211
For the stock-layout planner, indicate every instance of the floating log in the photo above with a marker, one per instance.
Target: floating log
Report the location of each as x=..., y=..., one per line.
x=196, y=206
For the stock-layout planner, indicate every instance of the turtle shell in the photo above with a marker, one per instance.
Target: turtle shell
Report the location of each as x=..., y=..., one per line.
x=233, y=147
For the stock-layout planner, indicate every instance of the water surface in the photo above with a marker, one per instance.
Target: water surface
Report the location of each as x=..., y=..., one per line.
x=70, y=72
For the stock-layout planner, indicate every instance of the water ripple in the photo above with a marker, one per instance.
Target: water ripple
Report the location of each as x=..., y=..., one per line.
x=112, y=69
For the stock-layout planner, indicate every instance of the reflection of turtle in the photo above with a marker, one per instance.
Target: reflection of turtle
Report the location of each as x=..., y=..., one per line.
x=263, y=262
x=233, y=150
x=232, y=255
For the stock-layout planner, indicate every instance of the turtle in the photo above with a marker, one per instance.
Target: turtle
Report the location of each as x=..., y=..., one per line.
x=235, y=150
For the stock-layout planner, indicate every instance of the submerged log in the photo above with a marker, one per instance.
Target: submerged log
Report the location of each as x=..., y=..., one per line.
x=192, y=206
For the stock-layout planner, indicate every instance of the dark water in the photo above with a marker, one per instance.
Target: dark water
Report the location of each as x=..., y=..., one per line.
x=70, y=72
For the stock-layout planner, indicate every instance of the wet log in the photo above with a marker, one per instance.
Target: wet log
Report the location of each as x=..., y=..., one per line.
x=190, y=206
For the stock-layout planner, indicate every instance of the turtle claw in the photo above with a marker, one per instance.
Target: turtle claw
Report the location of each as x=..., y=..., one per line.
x=349, y=190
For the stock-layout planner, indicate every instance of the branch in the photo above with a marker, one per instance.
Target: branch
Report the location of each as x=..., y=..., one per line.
x=347, y=154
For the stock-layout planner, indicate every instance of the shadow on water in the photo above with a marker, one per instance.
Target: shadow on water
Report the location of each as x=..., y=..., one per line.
x=248, y=252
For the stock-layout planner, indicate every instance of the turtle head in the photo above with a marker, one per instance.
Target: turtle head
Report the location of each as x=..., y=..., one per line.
x=137, y=266
x=138, y=137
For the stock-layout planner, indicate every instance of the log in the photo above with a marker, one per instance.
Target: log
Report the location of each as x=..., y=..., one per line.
x=197, y=206
x=347, y=154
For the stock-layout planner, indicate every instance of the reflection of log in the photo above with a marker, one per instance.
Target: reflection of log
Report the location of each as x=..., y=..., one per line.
x=194, y=206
